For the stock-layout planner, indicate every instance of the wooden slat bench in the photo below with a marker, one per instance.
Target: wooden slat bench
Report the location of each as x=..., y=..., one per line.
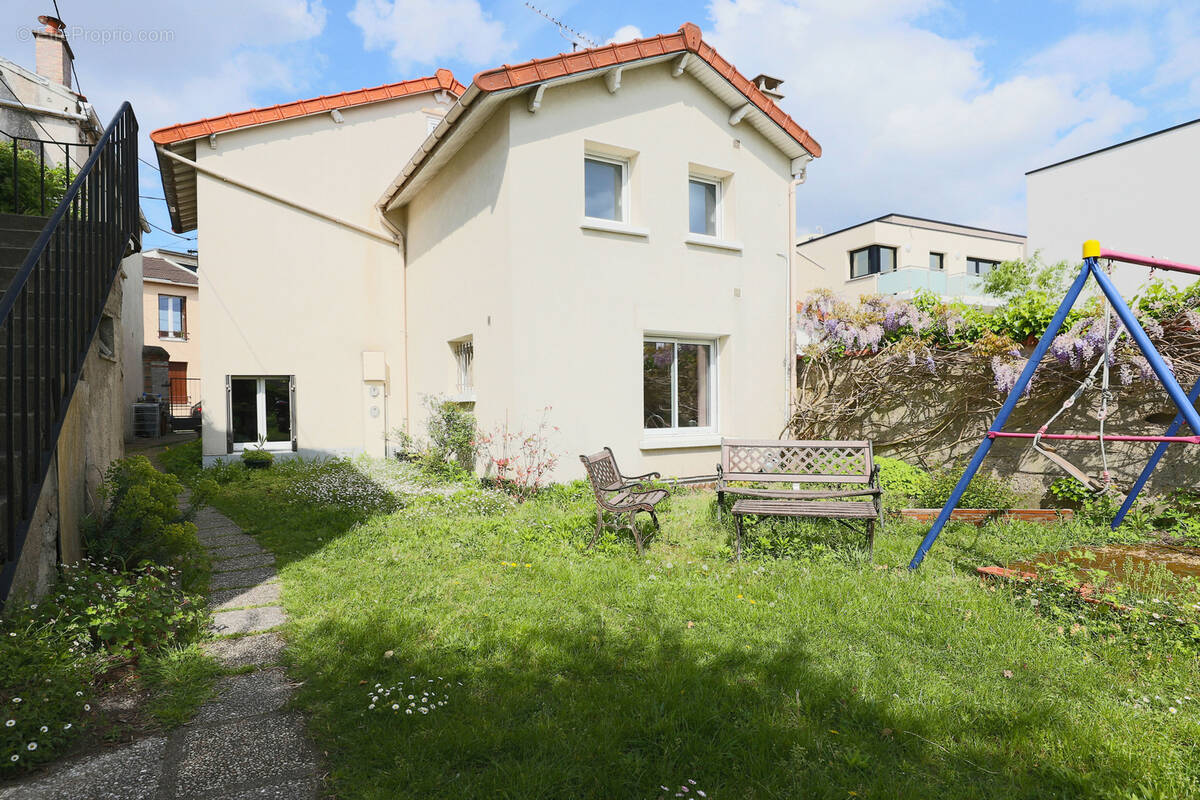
x=622, y=496
x=796, y=462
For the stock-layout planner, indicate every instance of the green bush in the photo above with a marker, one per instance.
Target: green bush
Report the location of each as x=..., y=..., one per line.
x=1068, y=492
x=140, y=521
x=984, y=491
x=256, y=458
x=452, y=433
x=29, y=185
x=902, y=483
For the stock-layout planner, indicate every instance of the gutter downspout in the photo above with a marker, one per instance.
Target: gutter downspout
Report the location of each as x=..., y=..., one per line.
x=381, y=207
x=345, y=223
x=50, y=112
x=790, y=333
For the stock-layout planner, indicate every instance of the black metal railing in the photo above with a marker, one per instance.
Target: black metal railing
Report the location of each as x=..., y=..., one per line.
x=50, y=315
x=35, y=173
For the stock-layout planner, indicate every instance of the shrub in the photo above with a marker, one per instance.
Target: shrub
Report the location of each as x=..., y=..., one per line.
x=1070, y=493
x=140, y=521
x=522, y=461
x=29, y=183
x=257, y=458
x=984, y=491
x=902, y=483
x=452, y=435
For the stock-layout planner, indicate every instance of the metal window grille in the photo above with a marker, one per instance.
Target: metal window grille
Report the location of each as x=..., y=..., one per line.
x=464, y=356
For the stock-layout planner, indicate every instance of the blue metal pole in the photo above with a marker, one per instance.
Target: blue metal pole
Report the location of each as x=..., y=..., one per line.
x=1178, y=396
x=1006, y=410
x=1159, y=452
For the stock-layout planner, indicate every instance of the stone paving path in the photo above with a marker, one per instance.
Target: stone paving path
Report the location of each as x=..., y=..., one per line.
x=242, y=744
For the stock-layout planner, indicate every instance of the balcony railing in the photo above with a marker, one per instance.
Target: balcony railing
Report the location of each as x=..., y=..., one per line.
x=910, y=280
x=35, y=173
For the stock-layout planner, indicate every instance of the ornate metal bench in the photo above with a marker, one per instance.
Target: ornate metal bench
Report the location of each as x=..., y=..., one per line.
x=791, y=462
x=620, y=495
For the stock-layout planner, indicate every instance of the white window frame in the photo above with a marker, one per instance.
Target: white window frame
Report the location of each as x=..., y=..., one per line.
x=182, y=335
x=718, y=211
x=623, y=163
x=261, y=420
x=675, y=432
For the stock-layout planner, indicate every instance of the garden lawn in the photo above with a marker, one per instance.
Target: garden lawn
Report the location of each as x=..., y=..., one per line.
x=568, y=673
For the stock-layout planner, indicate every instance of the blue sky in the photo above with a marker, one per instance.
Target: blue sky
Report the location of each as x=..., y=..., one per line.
x=928, y=107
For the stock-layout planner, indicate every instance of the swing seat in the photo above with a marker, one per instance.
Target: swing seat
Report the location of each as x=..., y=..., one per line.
x=1051, y=454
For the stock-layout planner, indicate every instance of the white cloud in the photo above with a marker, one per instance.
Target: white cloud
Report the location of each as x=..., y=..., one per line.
x=423, y=33
x=626, y=33
x=910, y=121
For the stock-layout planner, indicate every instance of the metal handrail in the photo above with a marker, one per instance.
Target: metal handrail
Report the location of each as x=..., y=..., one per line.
x=50, y=315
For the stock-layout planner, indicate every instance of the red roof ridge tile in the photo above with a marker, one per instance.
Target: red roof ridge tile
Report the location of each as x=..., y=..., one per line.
x=687, y=39
x=442, y=79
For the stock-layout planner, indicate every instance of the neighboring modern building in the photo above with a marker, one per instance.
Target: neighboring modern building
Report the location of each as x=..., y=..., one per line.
x=1134, y=196
x=170, y=306
x=604, y=232
x=901, y=255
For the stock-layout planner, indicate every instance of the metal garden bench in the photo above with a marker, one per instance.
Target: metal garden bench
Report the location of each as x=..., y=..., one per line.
x=793, y=462
x=620, y=495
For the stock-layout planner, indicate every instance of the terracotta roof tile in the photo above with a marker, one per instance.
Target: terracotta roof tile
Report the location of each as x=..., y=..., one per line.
x=443, y=79
x=687, y=39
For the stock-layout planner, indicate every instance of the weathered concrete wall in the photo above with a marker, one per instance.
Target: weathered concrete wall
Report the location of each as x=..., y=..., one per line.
x=92, y=437
x=898, y=432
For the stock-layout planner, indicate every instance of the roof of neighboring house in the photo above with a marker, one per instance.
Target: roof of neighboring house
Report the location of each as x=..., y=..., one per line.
x=159, y=269
x=927, y=224
x=442, y=79
x=1115, y=146
x=730, y=83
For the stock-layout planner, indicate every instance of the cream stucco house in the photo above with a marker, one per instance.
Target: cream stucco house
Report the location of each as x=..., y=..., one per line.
x=170, y=304
x=897, y=254
x=606, y=232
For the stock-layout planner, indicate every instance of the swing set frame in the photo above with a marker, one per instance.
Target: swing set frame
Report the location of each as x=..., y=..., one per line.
x=1184, y=402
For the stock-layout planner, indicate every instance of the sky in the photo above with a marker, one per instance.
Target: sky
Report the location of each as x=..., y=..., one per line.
x=934, y=108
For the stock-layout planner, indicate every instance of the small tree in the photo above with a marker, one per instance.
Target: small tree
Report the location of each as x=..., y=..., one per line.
x=522, y=461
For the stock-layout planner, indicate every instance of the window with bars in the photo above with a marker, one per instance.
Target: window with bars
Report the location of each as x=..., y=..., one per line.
x=464, y=359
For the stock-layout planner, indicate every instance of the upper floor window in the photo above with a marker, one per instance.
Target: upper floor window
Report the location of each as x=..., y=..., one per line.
x=937, y=261
x=980, y=266
x=606, y=188
x=872, y=260
x=172, y=317
x=704, y=206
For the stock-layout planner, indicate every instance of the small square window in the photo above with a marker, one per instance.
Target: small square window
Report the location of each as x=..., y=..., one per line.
x=937, y=261
x=605, y=188
x=704, y=206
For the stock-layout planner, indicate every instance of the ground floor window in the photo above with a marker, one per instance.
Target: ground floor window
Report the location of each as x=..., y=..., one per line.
x=262, y=411
x=678, y=385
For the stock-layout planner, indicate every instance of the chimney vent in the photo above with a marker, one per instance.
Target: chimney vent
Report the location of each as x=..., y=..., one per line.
x=53, y=56
x=769, y=86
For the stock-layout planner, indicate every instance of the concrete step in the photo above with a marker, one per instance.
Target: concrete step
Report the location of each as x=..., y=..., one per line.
x=23, y=222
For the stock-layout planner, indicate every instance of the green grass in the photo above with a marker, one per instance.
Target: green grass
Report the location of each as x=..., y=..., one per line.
x=802, y=672
x=179, y=680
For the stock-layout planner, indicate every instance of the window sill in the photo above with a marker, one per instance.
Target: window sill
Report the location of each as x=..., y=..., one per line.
x=713, y=242
x=462, y=397
x=162, y=338
x=270, y=447
x=612, y=226
x=669, y=441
